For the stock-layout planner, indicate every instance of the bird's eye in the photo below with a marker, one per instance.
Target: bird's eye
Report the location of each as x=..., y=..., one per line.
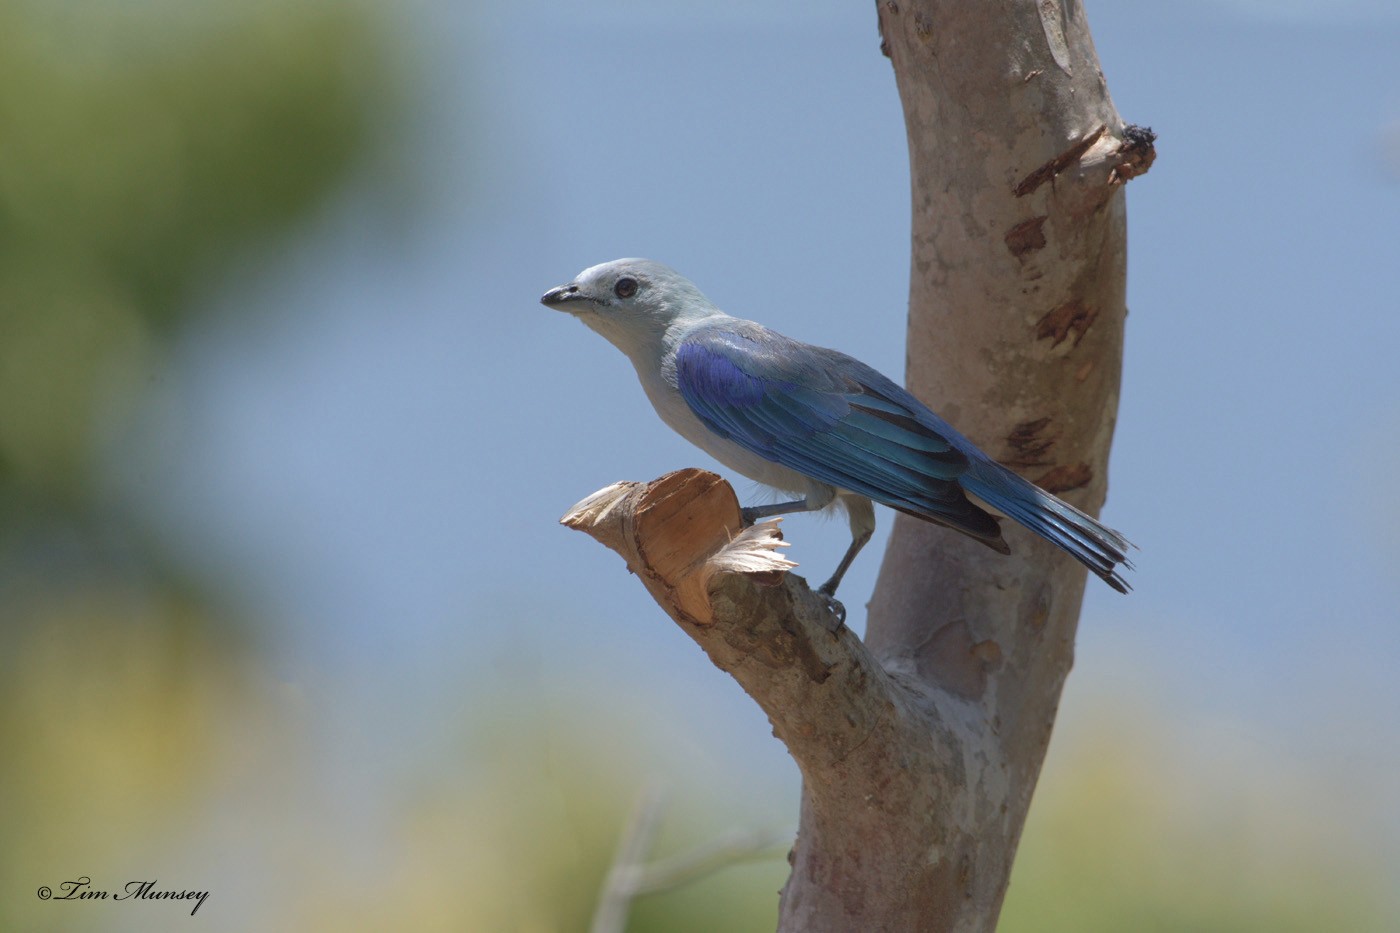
x=625, y=288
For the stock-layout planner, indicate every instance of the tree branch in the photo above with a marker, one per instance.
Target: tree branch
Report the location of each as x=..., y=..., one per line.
x=631, y=876
x=724, y=585
x=619, y=887
x=875, y=753
x=920, y=749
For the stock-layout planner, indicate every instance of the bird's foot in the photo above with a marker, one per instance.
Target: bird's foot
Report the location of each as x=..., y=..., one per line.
x=750, y=515
x=834, y=606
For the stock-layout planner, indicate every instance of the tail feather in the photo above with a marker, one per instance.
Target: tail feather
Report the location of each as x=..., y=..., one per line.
x=1094, y=545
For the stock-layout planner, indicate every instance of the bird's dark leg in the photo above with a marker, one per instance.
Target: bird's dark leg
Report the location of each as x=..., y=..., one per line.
x=755, y=512
x=862, y=515
x=829, y=587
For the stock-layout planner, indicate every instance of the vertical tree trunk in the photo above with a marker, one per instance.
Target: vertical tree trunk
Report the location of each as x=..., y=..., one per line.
x=920, y=749
x=1016, y=311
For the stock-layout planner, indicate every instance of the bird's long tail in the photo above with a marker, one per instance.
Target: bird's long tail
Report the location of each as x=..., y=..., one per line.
x=1094, y=545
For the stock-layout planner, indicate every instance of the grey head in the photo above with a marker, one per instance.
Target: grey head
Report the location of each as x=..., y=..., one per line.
x=631, y=302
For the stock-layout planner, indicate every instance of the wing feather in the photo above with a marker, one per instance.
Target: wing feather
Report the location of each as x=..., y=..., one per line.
x=830, y=417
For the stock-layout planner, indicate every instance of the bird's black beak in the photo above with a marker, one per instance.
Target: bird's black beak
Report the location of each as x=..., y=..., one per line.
x=561, y=295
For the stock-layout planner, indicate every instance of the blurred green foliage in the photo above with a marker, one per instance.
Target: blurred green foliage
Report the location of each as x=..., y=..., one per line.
x=1135, y=827
x=142, y=145
x=1138, y=827
x=518, y=830
x=113, y=705
x=145, y=146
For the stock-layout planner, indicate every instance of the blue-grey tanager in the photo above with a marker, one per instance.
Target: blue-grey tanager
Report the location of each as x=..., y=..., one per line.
x=813, y=422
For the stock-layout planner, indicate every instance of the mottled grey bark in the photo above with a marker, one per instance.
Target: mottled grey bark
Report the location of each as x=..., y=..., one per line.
x=920, y=748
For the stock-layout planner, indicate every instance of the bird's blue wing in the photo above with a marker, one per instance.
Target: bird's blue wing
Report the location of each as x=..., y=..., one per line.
x=829, y=417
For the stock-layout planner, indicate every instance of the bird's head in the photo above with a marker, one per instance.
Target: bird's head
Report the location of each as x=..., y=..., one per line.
x=632, y=302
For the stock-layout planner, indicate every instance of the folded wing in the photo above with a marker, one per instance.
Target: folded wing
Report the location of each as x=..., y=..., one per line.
x=832, y=418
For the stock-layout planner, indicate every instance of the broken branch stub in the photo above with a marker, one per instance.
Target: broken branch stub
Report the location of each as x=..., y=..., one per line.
x=872, y=748
x=677, y=532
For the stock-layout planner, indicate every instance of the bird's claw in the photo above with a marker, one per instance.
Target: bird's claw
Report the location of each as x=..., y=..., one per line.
x=748, y=516
x=834, y=606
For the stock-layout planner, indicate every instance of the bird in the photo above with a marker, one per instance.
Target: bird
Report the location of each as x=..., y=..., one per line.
x=814, y=423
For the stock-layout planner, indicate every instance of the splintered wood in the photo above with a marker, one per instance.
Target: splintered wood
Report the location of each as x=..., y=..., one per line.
x=677, y=532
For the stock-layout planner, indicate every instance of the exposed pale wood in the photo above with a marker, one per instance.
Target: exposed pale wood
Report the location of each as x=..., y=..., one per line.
x=677, y=532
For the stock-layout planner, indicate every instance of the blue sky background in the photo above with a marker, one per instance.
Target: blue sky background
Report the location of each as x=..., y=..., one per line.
x=382, y=426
